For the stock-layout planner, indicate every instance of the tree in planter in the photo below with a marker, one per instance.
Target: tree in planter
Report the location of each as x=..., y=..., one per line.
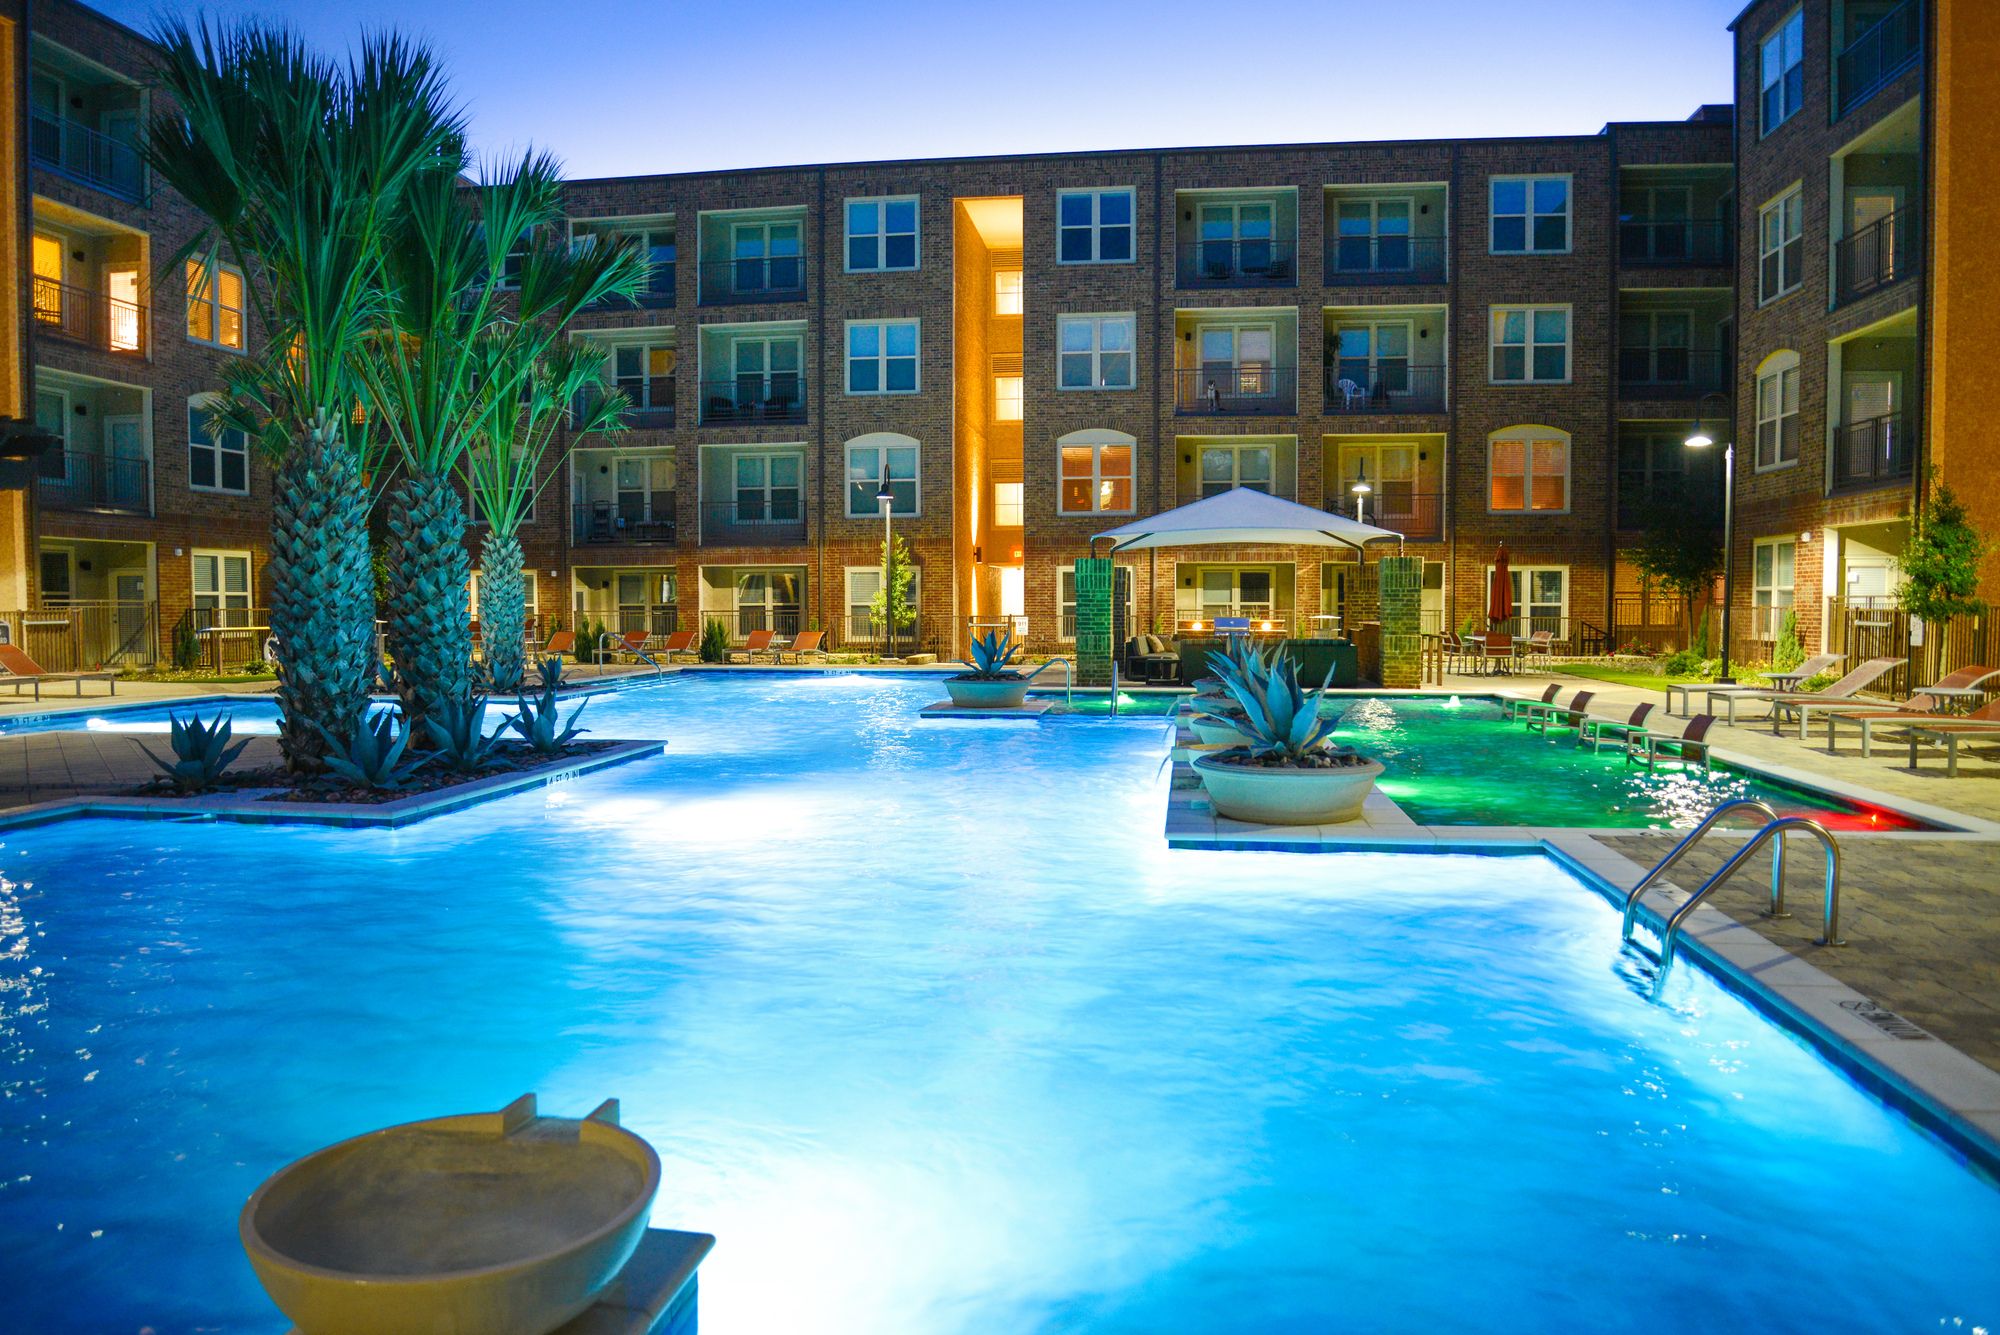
x=891, y=606
x=296, y=163
x=1940, y=564
x=1679, y=552
x=479, y=291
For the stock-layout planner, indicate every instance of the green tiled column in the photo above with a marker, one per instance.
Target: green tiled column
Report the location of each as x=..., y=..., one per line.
x=1094, y=580
x=1402, y=593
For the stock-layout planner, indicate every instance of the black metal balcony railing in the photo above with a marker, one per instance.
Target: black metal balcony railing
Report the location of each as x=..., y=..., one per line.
x=1376, y=261
x=767, y=521
x=629, y=522
x=656, y=412
x=1877, y=55
x=73, y=480
x=656, y=294
x=1874, y=257
x=1239, y=264
x=1416, y=515
x=1356, y=389
x=1646, y=372
x=89, y=155
x=1647, y=242
x=1236, y=390
x=1874, y=452
x=66, y=311
x=782, y=620
x=754, y=398
x=772, y=278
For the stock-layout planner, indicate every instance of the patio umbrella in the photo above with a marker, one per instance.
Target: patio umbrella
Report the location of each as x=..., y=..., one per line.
x=1500, y=595
x=1246, y=518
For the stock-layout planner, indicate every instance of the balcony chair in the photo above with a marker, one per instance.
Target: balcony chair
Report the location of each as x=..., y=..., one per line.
x=1351, y=394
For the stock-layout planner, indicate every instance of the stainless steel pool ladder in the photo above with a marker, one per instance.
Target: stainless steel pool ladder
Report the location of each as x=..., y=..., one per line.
x=1069, y=679
x=1775, y=827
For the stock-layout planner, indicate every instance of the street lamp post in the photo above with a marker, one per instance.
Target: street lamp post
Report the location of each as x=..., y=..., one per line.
x=885, y=497
x=1360, y=490
x=1701, y=440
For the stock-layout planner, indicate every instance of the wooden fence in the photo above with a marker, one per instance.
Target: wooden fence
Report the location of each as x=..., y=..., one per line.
x=1881, y=628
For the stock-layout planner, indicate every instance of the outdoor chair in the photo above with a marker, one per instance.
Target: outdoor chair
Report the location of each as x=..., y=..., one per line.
x=1573, y=717
x=1926, y=703
x=1802, y=703
x=756, y=642
x=1351, y=394
x=21, y=670
x=1982, y=725
x=629, y=644
x=803, y=643
x=1497, y=651
x=561, y=642
x=1598, y=733
x=1148, y=659
x=1687, y=690
x=680, y=642
x=1539, y=645
x=1515, y=708
x=1648, y=748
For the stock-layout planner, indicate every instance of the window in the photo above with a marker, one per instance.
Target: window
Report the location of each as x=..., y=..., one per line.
x=1530, y=344
x=1655, y=347
x=1783, y=69
x=1007, y=292
x=1780, y=246
x=1094, y=227
x=882, y=357
x=655, y=241
x=645, y=372
x=1095, y=351
x=215, y=303
x=863, y=584
x=1773, y=563
x=1238, y=360
x=1237, y=239
x=1527, y=469
x=766, y=257
x=1373, y=354
x=767, y=488
x=881, y=234
x=1066, y=598
x=1778, y=410
x=1655, y=222
x=1008, y=504
x=867, y=457
x=217, y=460
x=1227, y=467
x=1095, y=474
x=1530, y=215
x=1541, y=598
x=1391, y=473
x=1007, y=397
x=1372, y=235
x=1652, y=474
x=222, y=586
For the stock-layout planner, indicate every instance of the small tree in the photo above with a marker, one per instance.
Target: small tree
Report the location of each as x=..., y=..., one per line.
x=1679, y=552
x=1940, y=565
x=891, y=604
x=1788, y=653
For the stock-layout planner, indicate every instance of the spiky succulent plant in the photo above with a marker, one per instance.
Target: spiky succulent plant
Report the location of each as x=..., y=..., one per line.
x=453, y=727
x=378, y=755
x=202, y=752
x=992, y=656
x=540, y=720
x=1280, y=719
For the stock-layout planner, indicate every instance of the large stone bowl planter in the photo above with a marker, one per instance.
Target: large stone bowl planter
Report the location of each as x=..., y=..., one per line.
x=978, y=693
x=1270, y=796
x=498, y=1223
x=1215, y=730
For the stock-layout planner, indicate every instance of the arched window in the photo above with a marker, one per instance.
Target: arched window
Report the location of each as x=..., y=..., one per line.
x=867, y=459
x=1095, y=472
x=1527, y=469
x=1778, y=410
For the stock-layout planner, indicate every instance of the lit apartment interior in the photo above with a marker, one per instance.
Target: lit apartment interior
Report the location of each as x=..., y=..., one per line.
x=990, y=410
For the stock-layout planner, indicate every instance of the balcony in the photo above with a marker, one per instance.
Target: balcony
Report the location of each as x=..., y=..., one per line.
x=1418, y=516
x=1264, y=263
x=657, y=293
x=1877, y=55
x=1878, y=452
x=75, y=149
x=1384, y=261
x=766, y=523
x=65, y=311
x=1356, y=390
x=71, y=480
x=1670, y=244
x=654, y=414
x=753, y=399
x=1224, y=391
x=632, y=521
x=1871, y=259
x=1671, y=373
x=753, y=281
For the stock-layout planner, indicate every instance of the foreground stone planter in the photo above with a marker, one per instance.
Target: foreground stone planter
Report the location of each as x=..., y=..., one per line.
x=1267, y=796
x=502, y=1223
x=1215, y=730
x=975, y=693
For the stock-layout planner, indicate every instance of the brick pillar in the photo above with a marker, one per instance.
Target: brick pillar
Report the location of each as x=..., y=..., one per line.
x=1094, y=579
x=1402, y=593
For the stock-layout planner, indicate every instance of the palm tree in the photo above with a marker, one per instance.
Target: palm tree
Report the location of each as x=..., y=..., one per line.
x=525, y=405
x=296, y=163
x=478, y=287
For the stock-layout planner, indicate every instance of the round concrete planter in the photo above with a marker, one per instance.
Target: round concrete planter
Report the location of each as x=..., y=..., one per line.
x=453, y=1224
x=975, y=693
x=1214, y=730
x=1286, y=796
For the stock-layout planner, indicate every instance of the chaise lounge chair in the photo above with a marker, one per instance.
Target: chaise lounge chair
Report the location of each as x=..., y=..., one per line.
x=1559, y=717
x=1648, y=748
x=803, y=643
x=21, y=670
x=630, y=644
x=562, y=642
x=1687, y=690
x=1598, y=733
x=1802, y=703
x=1513, y=708
x=1981, y=725
x=756, y=642
x=1926, y=704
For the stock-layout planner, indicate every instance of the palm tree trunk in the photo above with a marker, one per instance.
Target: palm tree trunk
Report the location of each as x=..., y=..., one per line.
x=322, y=600
x=503, y=610
x=430, y=624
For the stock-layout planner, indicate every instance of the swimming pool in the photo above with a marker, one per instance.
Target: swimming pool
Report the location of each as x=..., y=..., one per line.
x=935, y=1034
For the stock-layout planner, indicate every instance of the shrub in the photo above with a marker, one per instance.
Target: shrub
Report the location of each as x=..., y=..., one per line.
x=187, y=646
x=1789, y=653
x=540, y=720
x=714, y=641
x=1703, y=643
x=1684, y=663
x=453, y=728
x=201, y=752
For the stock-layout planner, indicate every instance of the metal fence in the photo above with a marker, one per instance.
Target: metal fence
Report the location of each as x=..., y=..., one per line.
x=64, y=310
x=74, y=480
x=1235, y=263
x=1384, y=388
x=1383, y=261
x=1875, y=256
x=1877, y=55
x=1236, y=390
x=88, y=154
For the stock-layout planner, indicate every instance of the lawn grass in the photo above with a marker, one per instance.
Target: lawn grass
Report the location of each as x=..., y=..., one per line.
x=199, y=677
x=1645, y=681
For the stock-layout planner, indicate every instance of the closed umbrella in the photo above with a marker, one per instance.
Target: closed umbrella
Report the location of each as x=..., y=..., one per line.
x=1500, y=596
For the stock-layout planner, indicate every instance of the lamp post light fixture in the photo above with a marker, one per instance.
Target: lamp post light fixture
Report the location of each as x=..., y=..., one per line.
x=1701, y=440
x=886, y=498
x=1360, y=490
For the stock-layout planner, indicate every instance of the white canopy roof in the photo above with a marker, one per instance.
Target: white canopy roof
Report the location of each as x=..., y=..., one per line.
x=1242, y=517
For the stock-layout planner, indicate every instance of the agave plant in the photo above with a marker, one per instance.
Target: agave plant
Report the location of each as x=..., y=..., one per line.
x=453, y=727
x=1281, y=720
x=992, y=657
x=540, y=721
x=377, y=756
x=202, y=752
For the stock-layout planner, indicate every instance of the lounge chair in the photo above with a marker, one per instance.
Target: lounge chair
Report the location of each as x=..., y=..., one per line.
x=1648, y=748
x=1981, y=725
x=1514, y=708
x=680, y=642
x=1802, y=703
x=803, y=643
x=21, y=670
x=630, y=644
x=1572, y=717
x=1598, y=733
x=756, y=642
x=1923, y=706
x=561, y=642
x=1687, y=690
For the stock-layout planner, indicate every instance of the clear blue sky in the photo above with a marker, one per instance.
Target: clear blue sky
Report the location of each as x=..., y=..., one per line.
x=674, y=85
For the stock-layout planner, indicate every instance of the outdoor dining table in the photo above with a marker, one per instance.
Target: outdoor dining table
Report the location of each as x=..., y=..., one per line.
x=1955, y=697
x=1784, y=681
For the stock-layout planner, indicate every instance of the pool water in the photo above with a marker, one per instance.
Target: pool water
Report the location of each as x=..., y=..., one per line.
x=936, y=1035
x=1459, y=762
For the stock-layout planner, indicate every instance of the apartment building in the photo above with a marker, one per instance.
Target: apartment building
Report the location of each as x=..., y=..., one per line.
x=1471, y=342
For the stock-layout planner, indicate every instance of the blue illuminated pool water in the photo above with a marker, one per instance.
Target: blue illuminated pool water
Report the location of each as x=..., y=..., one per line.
x=935, y=1034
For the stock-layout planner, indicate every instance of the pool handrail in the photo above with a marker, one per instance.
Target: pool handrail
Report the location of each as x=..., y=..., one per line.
x=1069, y=681
x=1689, y=840
x=1777, y=829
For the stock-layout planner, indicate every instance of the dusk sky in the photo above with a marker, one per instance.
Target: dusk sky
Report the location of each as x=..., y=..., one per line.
x=625, y=89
